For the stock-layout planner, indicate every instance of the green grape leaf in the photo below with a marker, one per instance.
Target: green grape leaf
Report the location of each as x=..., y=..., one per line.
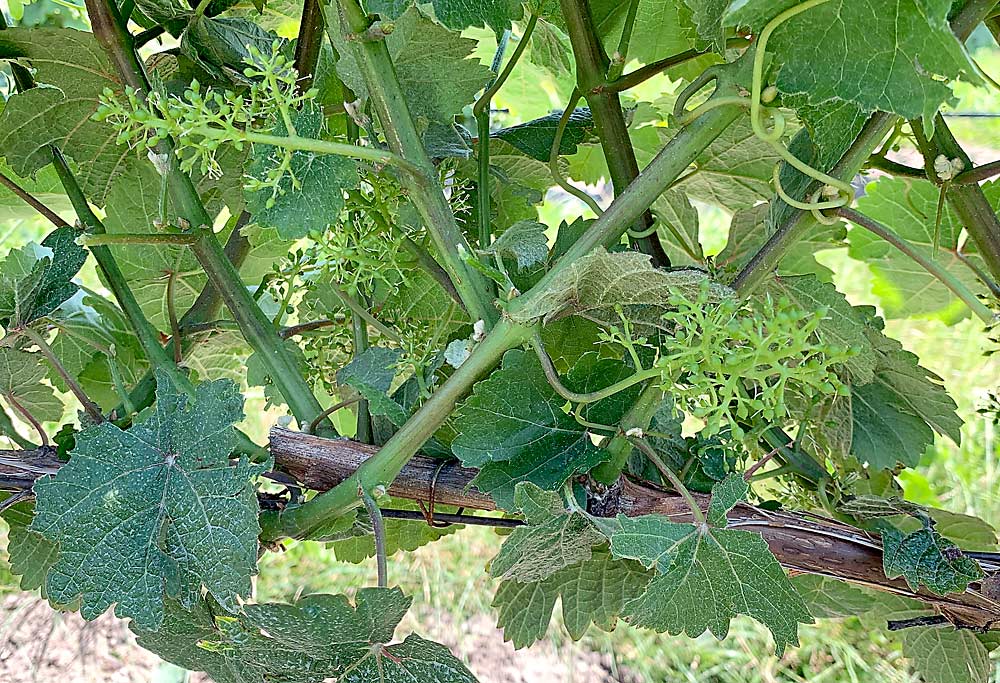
x=844, y=326
x=707, y=575
x=708, y=15
x=551, y=539
x=525, y=242
x=221, y=45
x=828, y=598
x=311, y=196
x=514, y=429
x=749, y=230
x=535, y=137
x=400, y=534
x=909, y=208
x=460, y=14
x=678, y=228
x=734, y=172
x=944, y=654
x=133, y=204
x=153, y=510
x=371, y=374
x=924, y=557
x=21, y=386
x=44, y=186
x=550, y=50
x=316, y=638
x=914, y=387
x=885, y=433
x=85, y=323
x=910, y=47
x=421, y=51
x=77, y=70
x=591, y=592
x=595, y=285
x=31, y=555
x=661, y=28
x=36, y=280
x=867, y=507
x=519, y=183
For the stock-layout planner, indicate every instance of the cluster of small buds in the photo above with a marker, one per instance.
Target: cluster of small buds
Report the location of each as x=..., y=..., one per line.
x=202, y=120
x=732, y=362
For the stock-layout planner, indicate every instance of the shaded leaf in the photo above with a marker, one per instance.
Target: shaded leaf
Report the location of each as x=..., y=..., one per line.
x=21, y=375
x=535, y=137
x=591, y=592
x=551, y=539
x=525, y=242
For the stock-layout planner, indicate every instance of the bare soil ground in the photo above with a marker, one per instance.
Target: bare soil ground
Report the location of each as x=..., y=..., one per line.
x=38, y=645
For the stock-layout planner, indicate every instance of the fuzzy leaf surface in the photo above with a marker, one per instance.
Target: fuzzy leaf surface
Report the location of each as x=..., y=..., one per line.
x=706, y=576
x=591, y=592
x=156, y=510
x=314, y=200
x=553, y=538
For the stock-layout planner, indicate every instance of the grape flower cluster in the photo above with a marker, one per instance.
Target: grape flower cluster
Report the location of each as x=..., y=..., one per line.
x=204, y=119
x=732, y=363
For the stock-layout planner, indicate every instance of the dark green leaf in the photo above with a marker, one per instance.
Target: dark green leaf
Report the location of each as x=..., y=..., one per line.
x=153, y=511
x=514, y=429
x=36, y=280
x=925, y=558
x=535, y=138
x=909, y=45
x=310, y=197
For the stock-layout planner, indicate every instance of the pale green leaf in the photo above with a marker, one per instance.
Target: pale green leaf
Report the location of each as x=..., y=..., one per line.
x=909, y=208
x=525, y=242
x=828, y=598
x=551, y=539
x=421, y=51
x=944, y=654
x=153, y=511
x=77, y=70
x=594, y=285
x=21, y=386
x=591, y=592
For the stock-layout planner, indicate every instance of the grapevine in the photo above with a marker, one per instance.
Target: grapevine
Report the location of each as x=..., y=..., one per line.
x=337, y=303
